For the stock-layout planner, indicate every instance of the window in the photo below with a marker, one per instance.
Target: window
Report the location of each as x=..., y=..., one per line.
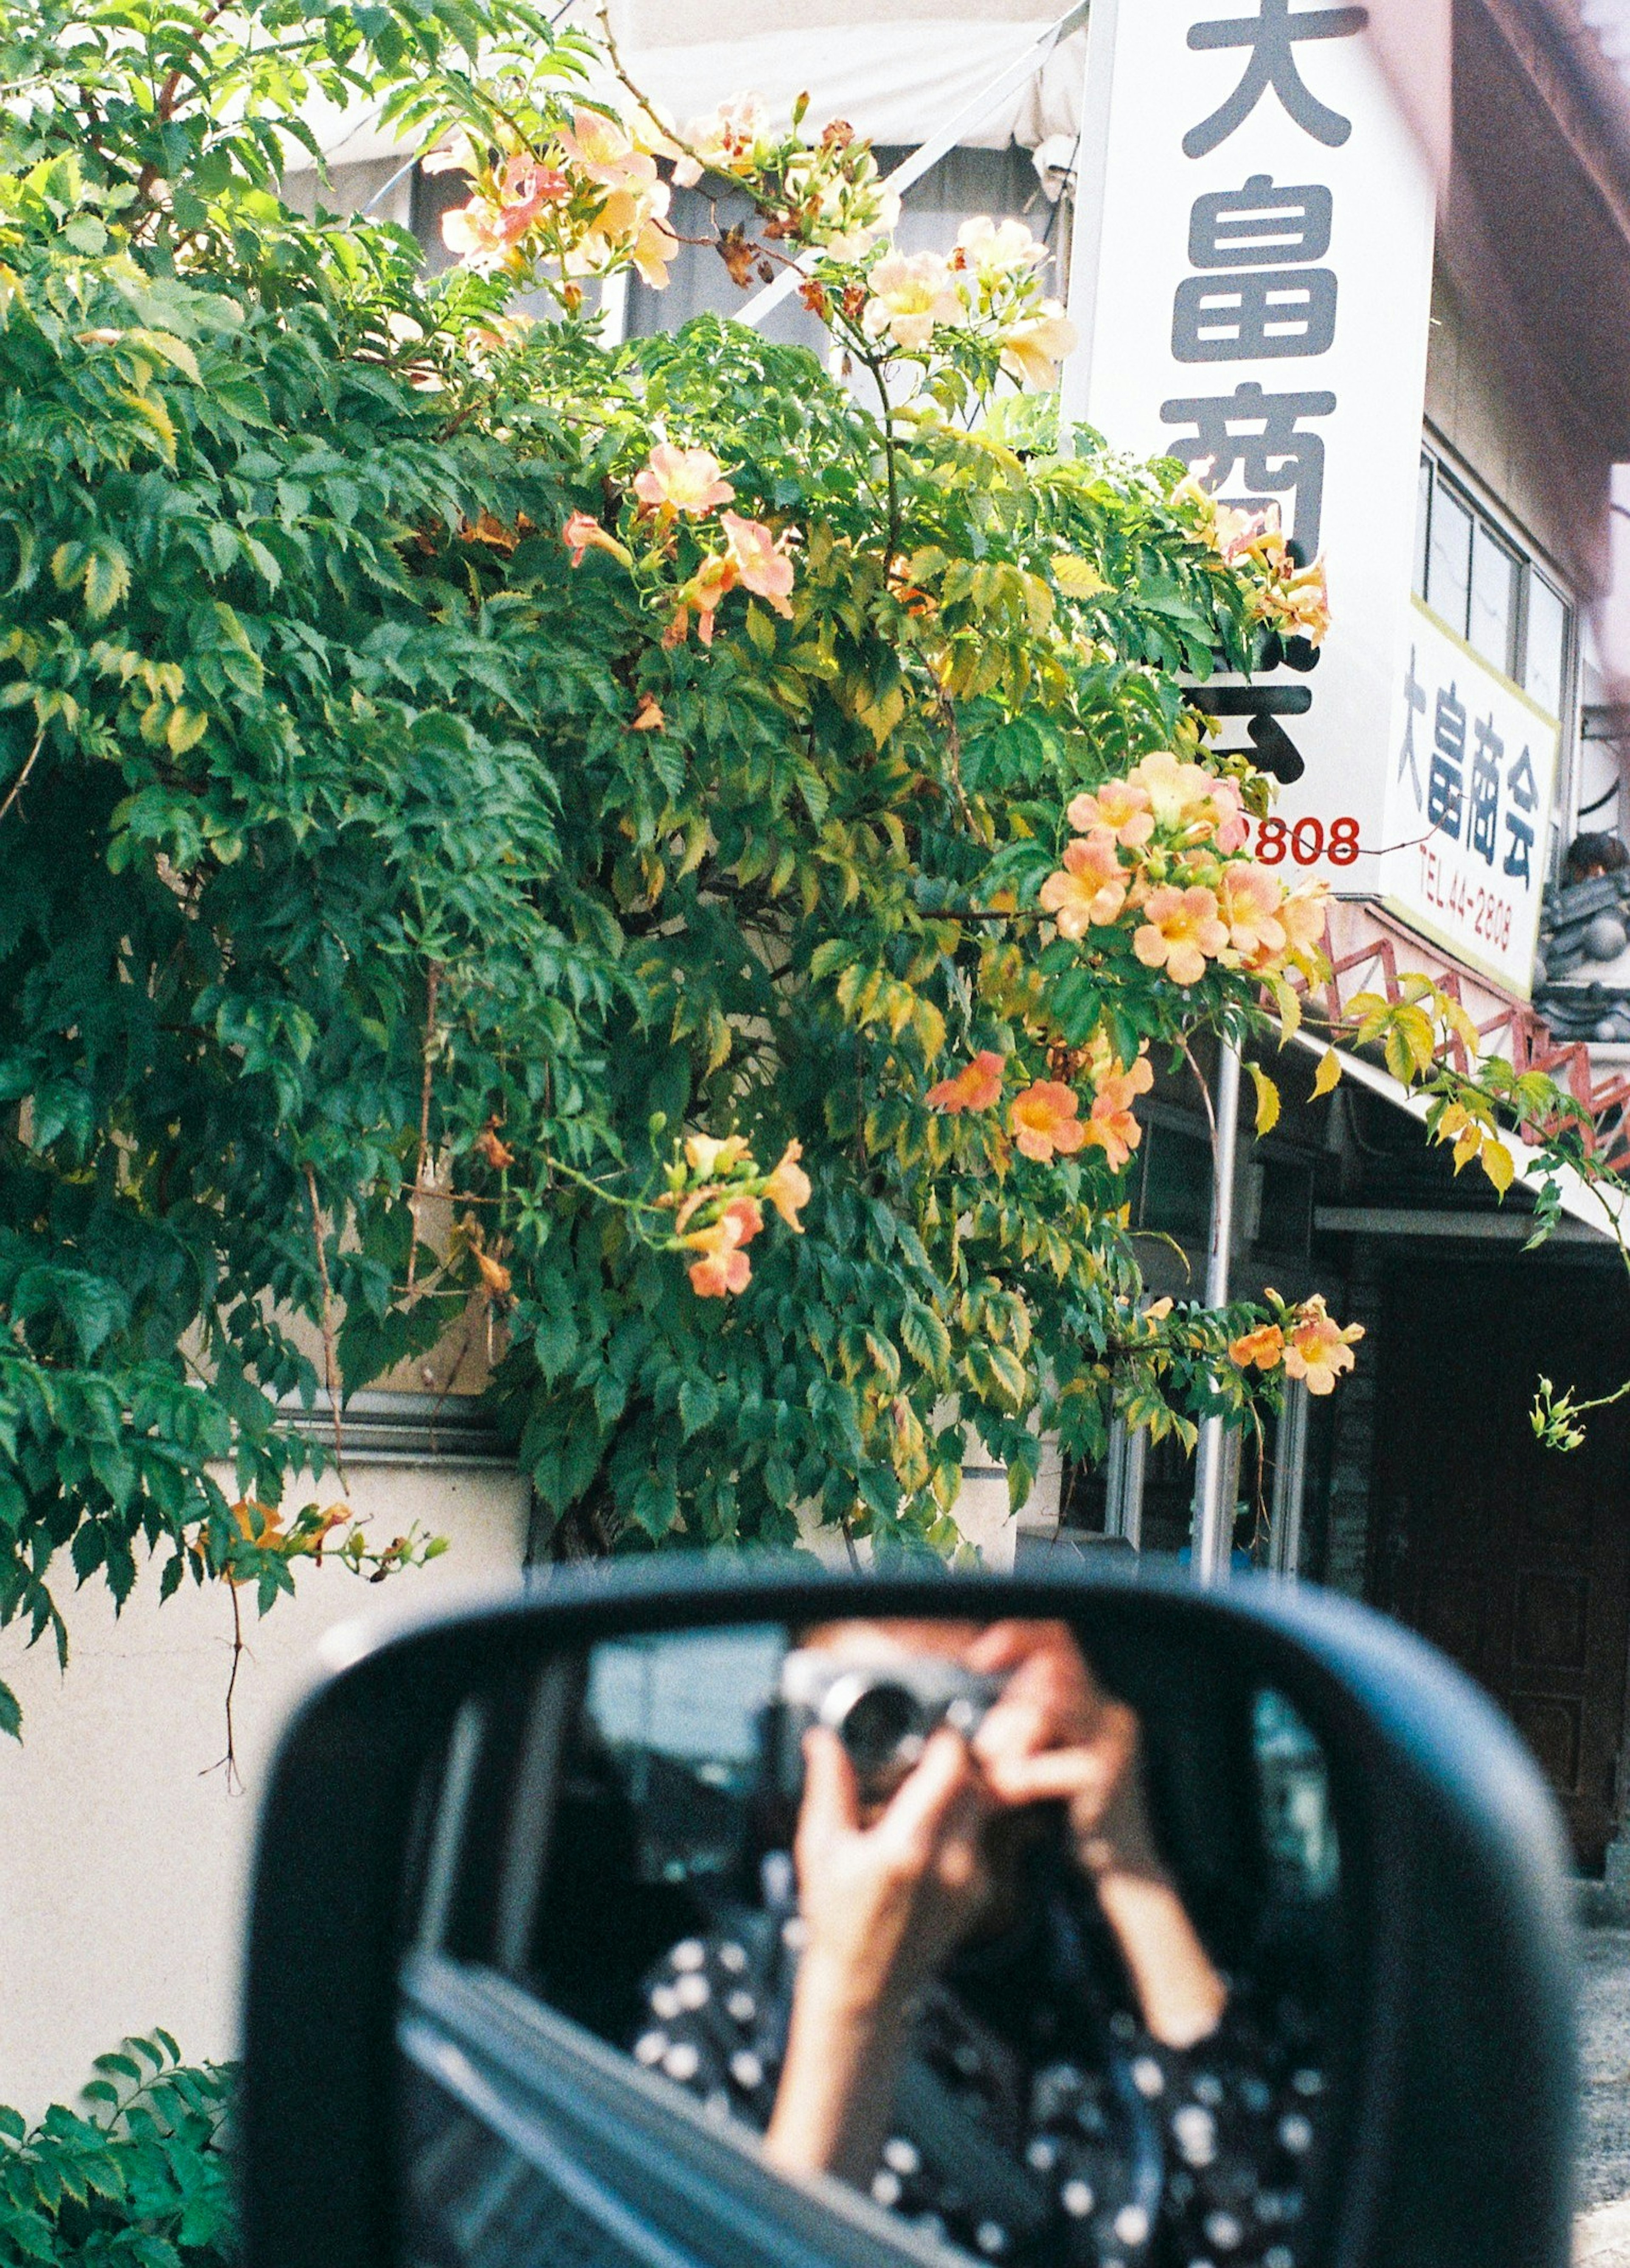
x=1174, y=1191
x=1448, y=557
x=1472, y=574
x=1547, y=642
x=1494, y=572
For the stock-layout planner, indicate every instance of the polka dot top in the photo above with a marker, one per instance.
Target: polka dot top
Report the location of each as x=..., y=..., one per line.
x=1036, y=2120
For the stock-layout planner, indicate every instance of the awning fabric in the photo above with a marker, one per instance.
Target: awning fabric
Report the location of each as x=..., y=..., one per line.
x=894, y=83
x=898, y=83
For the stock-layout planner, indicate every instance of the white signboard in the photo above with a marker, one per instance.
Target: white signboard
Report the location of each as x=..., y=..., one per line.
x=1469, y=789
x=1251, y=279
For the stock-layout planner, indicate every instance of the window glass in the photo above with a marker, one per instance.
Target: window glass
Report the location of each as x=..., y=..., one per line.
x=1448, y=567
x=1176, y=1181
x=1494, y=599
x=1547, y=639
x=1423, y=525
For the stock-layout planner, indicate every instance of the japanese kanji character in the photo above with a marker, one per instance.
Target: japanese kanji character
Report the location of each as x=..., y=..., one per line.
x=1516, y=855
x=1414, y=705
x=1445, y=776
x=1272, y=35
x=1277, y=455
x=1483, y=823
x=1239, y=228
x=1264, y=705
x=1523, y=789
x=1255, y=317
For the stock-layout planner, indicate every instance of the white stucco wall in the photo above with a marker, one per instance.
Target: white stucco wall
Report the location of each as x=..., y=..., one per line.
x=123, y=1857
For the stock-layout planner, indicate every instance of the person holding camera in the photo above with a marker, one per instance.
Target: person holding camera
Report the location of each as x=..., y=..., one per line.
x=987, y=2004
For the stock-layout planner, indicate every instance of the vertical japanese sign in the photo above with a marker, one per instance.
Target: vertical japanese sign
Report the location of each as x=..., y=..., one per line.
x=1251, y=278
x=1469, y=792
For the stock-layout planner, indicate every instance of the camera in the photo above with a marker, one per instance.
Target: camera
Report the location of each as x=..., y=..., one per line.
x=883, y=1706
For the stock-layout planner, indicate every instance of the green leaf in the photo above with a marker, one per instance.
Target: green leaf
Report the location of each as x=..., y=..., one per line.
x=699, y=1405
x=105, y=579
x=925, y=1338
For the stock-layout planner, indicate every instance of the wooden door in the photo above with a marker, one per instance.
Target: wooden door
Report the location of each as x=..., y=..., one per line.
x=1513, y=1558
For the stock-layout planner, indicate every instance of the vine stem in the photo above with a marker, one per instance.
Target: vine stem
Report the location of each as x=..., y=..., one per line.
x=228, y=1764
x=1211, y=1115
x=614, y=58
x=873, y=362
x=21, y=781
x=331, y=1364
x=432, y=984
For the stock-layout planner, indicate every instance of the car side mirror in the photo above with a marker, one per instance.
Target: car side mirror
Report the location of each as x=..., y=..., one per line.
x=710, y=1917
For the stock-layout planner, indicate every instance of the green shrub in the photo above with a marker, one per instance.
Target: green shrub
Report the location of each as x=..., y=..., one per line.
x=137, y=2178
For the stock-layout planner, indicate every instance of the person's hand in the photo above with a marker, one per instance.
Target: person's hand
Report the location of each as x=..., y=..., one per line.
x=884, y=1901
x=1055, y=1736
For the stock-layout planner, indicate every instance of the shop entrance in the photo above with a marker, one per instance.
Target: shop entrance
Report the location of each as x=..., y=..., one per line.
x=1513, y=1558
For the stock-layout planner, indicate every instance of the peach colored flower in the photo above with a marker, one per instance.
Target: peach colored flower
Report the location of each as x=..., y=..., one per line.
x=724, y=142
x=602, y=150
x=474, y=233
x=527, y=189
x=1319, y=1350
x=1248, y=900
x=997, y=248
x=723, y=1267
x=1091, y=890
x=1229, y=819
x=909, y=294
x=1179, y=794
x=459, y=157
x=1043, y=1120
x=1111, y=1125
x=1304, y=916
x=706, y=592
x=648, y=716
x=787, y=1188
x=1233, y=528
x=1264, y=1346
x=584, y=532
x=747, y=1215
x=683, y=479
x=1304, y=604
x=761, y=562
x=710, y=1155
x=1118, y=805
x=654, y=247
x=1035, y=347
x=1182, y=933
x=976, y=1086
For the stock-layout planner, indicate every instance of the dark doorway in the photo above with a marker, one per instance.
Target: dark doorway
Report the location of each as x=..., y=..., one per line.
x=1513, y=1558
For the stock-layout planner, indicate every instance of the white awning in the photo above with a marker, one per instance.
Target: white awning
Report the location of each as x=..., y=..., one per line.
x=898, y=83
x=1597, y=1210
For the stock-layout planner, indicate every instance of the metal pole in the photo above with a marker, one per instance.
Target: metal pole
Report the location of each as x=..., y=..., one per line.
x=1213, y=1520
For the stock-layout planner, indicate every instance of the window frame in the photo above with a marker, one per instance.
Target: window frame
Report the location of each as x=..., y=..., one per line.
x=1442, y=468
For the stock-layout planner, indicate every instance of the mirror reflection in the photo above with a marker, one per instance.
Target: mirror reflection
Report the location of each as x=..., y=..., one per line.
x=1033, y=1942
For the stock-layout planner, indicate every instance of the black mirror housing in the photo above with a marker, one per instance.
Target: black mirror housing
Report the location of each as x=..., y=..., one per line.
x=1456, y=2150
